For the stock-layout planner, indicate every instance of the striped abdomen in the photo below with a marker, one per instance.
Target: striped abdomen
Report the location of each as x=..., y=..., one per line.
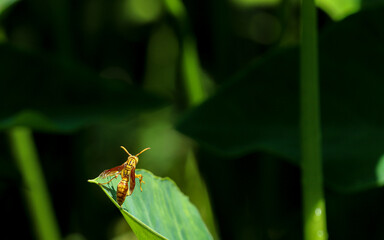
x=122, y=189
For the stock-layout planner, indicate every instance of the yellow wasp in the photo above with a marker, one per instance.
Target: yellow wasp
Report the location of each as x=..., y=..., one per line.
x=127, y=172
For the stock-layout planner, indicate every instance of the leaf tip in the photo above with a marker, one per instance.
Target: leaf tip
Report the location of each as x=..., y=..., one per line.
x=92, y=180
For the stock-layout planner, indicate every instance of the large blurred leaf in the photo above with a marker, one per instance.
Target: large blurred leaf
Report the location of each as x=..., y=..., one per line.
x=160, y=211
x=4, y=4
x=47, y=94
x=258, y=110
x=338, y=9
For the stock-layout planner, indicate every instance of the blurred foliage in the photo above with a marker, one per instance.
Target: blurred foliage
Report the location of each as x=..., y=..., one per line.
x=350, y=107
x=338, y=9
x=75, y=98
x=90, y=76
x=351, y=102
x=5, y=4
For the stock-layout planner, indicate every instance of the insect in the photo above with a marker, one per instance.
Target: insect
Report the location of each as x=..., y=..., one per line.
x=128, y=175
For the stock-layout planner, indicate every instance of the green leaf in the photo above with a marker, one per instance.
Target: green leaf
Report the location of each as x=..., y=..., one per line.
x=5, y=4
x=258, y=109
x=48, y=94
x=338, y=9
x=160, y=211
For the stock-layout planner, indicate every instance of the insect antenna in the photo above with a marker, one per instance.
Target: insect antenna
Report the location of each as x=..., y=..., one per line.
x=126, y=150
x=145, y=149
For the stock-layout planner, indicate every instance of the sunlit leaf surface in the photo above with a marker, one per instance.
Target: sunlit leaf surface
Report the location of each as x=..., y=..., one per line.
x=161, y=211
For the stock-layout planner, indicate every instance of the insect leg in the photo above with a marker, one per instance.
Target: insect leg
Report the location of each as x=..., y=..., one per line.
x=140, y=177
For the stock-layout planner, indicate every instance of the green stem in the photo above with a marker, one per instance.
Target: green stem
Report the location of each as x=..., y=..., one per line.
x=25, y=154
x=312, y=176
x=192, y=77
x=191, y=71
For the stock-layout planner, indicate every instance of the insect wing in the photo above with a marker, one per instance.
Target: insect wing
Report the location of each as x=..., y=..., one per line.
x=132, y=181
x=112, y=171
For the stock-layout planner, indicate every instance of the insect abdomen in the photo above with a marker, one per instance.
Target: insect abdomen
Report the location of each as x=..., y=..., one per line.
x=122, y=189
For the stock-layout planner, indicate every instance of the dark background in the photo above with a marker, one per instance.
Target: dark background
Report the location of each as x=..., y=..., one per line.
x=88, y=76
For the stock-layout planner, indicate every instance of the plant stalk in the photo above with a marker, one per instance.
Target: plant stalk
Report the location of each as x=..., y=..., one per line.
x=37, y=197
x=314, y=214
x=190, y=64
x=192, y=79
